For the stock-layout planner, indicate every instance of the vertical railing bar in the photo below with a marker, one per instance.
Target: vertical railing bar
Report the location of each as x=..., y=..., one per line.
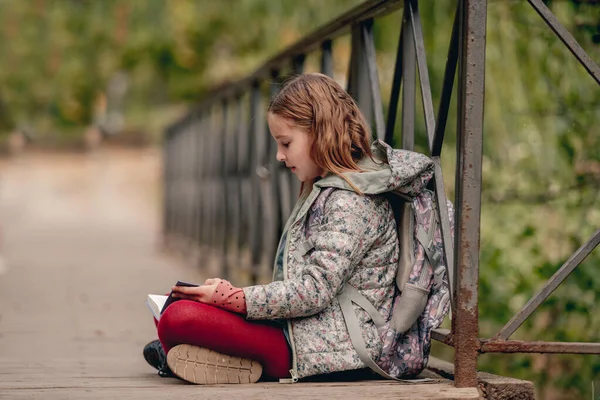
x=241, y=166
x=177, y=185
x=224, y=204
x=176, y=162
x=256, y=125
x=351, y=69
x=206, y=189
x=200, y=178
x=284, y=176
x=449, y=74
x=201, y=172
x=568, y=40
x=190, y=182
x=214, y=179
x=292, y=183
x=189, y=207
x=559, y=276
x=234, y=194
x=298, y=64
x=419, y=44
x=183, y=157
x=360, y=83
x=196, y=180
x=442, y=206
x=184, y=183
x=468, y=189
x=166, y=161
x=371, y=56
x=327, y=58
x=408, y=82
x=273, y=175
x=395, y=93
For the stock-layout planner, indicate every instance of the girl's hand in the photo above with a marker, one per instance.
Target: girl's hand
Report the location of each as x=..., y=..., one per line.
x=203, y=293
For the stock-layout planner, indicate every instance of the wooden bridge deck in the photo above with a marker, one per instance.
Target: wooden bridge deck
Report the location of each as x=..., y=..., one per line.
x=78, y=241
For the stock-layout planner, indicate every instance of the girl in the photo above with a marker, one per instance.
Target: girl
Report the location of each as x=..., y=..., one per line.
x=342, y=230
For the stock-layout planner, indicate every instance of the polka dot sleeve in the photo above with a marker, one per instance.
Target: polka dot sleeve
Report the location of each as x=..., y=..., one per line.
x=229, y=298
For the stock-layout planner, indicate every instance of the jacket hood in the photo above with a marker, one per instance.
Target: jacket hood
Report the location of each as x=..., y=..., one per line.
x=394, y=170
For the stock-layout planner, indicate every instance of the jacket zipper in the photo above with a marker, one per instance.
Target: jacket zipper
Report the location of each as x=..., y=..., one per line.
x=294, y=370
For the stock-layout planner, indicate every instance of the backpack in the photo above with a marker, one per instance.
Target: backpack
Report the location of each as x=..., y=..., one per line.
x=422, y=295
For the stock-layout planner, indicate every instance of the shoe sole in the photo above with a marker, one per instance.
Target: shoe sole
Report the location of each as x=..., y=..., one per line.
x=207, y=367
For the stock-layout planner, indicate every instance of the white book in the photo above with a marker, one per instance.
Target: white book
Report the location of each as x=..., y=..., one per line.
x=156, y=302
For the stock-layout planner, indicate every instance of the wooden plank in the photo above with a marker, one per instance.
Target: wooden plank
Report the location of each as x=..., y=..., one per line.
x=171, y=388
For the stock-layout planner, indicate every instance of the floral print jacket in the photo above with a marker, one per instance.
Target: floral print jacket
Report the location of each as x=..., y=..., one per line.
x=336, y=236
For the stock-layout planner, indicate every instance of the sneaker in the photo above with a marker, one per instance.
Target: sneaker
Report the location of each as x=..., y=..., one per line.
x=206, y=367
x=156, y=357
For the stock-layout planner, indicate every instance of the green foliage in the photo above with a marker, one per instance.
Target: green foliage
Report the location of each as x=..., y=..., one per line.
x=59, y=56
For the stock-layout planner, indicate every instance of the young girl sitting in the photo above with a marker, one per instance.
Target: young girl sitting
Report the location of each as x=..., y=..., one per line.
x=342, y=230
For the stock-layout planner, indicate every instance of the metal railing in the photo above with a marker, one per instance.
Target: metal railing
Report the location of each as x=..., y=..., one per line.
x=225, y=193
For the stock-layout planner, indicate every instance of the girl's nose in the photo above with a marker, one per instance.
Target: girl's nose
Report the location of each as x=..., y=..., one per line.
x=280, y=156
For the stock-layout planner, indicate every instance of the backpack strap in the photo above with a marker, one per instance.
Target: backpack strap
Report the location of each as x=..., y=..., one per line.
x=433, y=254
x=346, y=297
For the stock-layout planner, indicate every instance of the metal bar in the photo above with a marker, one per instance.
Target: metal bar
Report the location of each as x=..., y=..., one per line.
x=191, y=182
x=468, y=188
x=568, y=40
x=242, y=166
x=256, y=212
x=559, y=276
x=371, y=64
x=419, y=44
x=270, y=190
x=234, y=188
x=443, y=336
x=197, y=179
x=517, y=346
x=166, y=179
x=224, y=205
x=350, y=72
x=327, y=58
x=177, y=184
x=395, y=93
x=206, y=176
x=298, y=64
x=442, y=205
x=288, y=180
x=408, y=83
x=449, y=74
x=360, y=87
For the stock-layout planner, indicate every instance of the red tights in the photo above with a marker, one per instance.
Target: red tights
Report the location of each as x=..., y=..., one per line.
x=190, y=322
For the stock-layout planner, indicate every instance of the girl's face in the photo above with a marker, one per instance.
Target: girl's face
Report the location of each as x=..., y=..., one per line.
x=293, y=148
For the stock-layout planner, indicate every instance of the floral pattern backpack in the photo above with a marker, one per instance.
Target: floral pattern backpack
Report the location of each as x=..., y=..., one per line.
x=422, y=296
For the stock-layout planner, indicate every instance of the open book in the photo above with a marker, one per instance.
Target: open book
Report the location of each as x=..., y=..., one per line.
x=159, y=303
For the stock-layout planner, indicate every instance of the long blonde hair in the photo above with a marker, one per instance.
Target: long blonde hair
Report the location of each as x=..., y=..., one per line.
x=338, y=130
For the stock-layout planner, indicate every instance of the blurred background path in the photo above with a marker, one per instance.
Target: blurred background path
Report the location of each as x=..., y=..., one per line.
x=79, y=242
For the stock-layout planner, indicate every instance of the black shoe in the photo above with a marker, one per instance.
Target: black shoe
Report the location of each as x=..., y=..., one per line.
x=156, y=357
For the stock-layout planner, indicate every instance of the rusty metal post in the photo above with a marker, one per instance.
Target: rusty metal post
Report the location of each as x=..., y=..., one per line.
x=468, y=187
